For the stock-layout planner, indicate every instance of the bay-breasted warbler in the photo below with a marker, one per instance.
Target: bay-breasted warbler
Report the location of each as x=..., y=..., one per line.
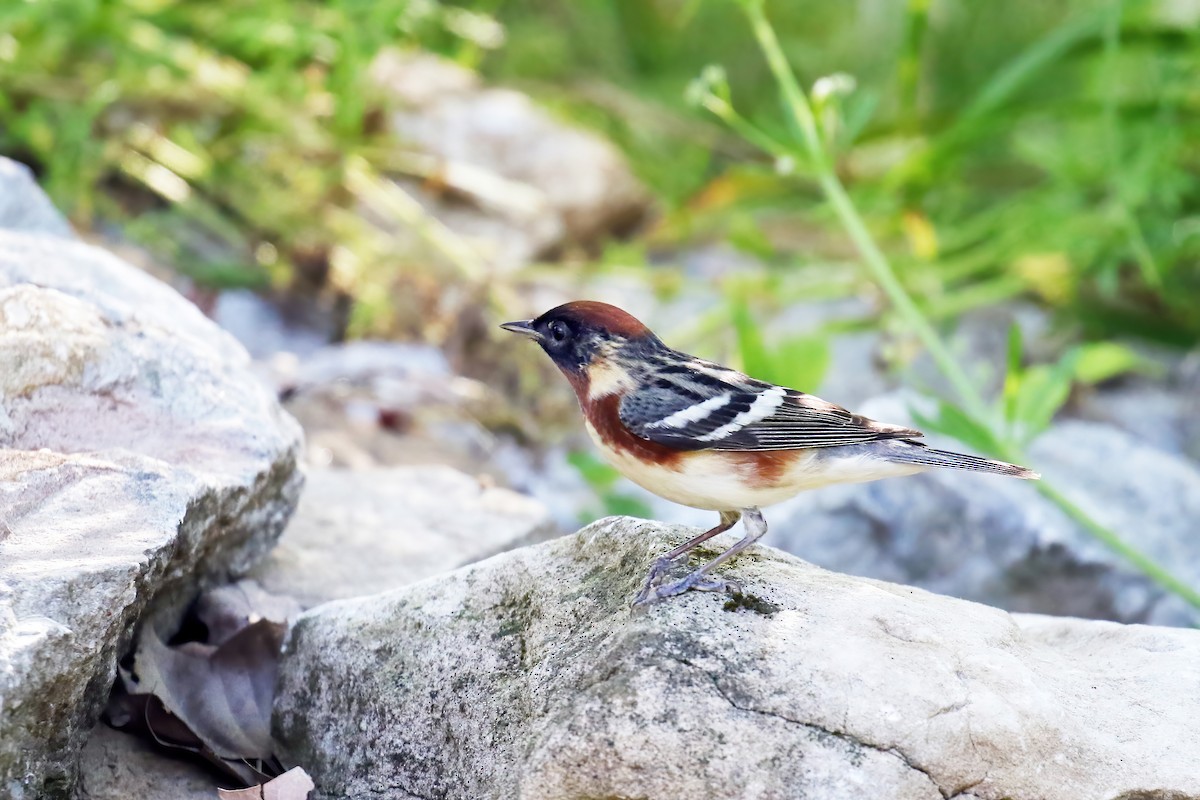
x=711, y=437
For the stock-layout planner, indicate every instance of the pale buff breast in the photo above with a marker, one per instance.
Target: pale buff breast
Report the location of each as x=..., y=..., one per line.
x=723, y=480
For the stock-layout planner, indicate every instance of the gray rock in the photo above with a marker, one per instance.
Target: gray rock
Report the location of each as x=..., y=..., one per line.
x=1164, y=413
x=999, y=541
x=138, y=459
x=521, y=183
x=360, y=532
x=24, y=206
x=265, y=327
x=366, y=404
x=528, y=676
x=117, y=766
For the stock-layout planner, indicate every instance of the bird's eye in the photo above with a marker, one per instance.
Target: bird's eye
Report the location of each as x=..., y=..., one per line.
x=558, y=331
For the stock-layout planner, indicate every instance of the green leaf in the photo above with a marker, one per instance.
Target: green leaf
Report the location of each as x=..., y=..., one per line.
x=755, y=358
x=1044, y=390
x=1012, y=376
x=746, y=235
x=1103, y=361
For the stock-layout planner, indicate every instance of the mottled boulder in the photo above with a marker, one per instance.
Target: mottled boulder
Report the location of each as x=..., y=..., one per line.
x=1163, y=413
x=517, y=183
x=369, y=403
x=527, y=676
x=360, y=532
x=139, y=458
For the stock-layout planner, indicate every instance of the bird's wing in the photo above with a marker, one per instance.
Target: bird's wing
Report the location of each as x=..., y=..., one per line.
x=703, y=406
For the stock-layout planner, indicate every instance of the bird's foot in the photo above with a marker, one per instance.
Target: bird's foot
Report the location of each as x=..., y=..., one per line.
x=657, y=570
x=697, y=581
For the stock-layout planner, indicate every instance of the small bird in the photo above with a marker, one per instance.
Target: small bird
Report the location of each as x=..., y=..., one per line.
x=710, y=437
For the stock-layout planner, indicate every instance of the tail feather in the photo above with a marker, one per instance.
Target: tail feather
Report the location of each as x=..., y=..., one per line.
x=920, y=454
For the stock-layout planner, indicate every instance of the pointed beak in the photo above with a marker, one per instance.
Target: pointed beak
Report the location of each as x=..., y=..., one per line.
x=523, y=327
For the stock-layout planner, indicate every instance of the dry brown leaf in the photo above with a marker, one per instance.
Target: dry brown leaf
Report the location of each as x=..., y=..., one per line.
x=226, y=610
x=222, y=694
x=291, y=785
x=211, y=698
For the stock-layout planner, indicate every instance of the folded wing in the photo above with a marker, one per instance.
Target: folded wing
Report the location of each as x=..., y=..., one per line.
x=705, y=406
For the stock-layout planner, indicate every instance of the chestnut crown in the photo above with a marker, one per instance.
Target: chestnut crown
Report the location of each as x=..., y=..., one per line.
x=572, y=334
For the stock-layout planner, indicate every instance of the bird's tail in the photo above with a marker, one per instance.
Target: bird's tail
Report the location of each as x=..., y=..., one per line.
x=927, y=456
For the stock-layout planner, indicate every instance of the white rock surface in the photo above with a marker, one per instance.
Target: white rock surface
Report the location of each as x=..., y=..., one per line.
x=138, y=459
x=527, y=676
x=360, y=532
x=521, y=183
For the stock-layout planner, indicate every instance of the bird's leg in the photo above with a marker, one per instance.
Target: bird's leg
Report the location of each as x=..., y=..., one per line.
x=664, y=562
x=700, y=580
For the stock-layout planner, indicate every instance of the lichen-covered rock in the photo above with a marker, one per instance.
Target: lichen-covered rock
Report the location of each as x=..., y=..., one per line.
x=527, y=676
x=360, y=532
x=138, y=459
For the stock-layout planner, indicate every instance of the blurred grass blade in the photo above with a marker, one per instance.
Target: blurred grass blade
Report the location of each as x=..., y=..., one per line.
x=1012, y=375
x=1034, y=60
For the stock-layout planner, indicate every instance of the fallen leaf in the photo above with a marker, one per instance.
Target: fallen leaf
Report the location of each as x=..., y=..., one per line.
x=291, y=785
x=211, y=698
x=228, y=609
x=223, y=694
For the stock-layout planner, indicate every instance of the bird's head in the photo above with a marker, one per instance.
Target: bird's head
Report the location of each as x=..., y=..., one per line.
x=585, y=340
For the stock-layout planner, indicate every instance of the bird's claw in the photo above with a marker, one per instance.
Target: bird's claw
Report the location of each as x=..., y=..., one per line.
x=697, y=581
x=657, y=570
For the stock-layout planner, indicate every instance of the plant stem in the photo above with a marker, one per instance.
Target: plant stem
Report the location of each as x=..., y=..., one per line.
x=881, y=271
x=800, y=112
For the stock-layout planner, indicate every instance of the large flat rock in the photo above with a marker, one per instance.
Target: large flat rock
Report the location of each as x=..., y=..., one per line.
x=527, y=676
x=139, y=459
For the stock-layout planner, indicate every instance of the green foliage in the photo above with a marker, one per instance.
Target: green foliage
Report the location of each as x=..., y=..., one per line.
x=996, y=150
x=1046, y=147
x=1031, y=395
x=218, y=130
x=796, y=361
